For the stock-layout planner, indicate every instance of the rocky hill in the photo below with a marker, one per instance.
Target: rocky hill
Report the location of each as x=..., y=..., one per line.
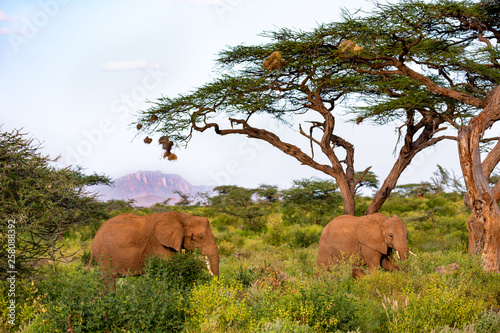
x=148, y=188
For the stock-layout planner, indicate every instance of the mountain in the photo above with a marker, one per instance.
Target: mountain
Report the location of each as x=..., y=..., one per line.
x=148, y=188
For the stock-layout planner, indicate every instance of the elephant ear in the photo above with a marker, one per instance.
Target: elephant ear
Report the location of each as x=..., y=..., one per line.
x=169, y=233
x=369, y=233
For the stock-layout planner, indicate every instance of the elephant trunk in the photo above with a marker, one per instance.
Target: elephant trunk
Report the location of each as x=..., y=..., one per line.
x=212, y=254
x=213, y=263
x=403, y=251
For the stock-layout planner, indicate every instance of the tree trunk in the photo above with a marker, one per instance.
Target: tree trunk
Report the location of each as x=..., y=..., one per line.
x=390, y=182
x=347, y=192
x=476, y=228
x=410, y=148
x=484, y=224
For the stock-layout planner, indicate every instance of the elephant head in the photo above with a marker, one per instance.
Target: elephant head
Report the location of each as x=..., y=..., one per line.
x=384, y=234
x=188, y=232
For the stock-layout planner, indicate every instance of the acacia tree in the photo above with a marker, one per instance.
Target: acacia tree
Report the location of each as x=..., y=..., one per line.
x=450, y=50
x=428, y=65
x=295, y=75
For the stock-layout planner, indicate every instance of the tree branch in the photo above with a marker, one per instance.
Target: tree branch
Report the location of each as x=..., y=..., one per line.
x=360, y=178
x=271, y=138
x=491, y=160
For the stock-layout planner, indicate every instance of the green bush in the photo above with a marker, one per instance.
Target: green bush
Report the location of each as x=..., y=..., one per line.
x=226, y=220
x=153, y=302
x=488, y=322
x=28, y=304
x=328, y=307
x=73, y=299
x=218, y=307
x=306, y=236
x=284, y=326
x=436, y=303
x=245, y=276
x=180, y=271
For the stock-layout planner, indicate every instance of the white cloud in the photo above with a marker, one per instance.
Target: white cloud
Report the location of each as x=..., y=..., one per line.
x=135, y=65
x=6, y=31
x=3, y=16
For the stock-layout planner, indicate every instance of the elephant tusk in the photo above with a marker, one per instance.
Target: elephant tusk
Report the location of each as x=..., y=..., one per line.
x=413, y=254
x=208, y=266
x=397, y=254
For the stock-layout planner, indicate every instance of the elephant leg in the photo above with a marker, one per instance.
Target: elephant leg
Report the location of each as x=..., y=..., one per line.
x=326, y=259
x=371, y=257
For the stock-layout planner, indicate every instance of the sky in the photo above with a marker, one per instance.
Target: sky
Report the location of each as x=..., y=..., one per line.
x=73, y=74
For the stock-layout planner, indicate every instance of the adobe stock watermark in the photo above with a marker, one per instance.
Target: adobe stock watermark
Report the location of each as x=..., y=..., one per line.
x=226, y=6
x=248, y=152
x=30, y=27
x=121, y=108
x=417, y=161
x=11, y=272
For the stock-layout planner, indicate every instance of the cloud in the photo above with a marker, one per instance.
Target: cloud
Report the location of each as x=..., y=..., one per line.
x=4, y=17
x=6, y=31
x=135, y=65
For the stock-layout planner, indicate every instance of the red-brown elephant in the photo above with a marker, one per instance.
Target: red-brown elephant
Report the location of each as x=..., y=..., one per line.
x=371, y=237
x=125, y=241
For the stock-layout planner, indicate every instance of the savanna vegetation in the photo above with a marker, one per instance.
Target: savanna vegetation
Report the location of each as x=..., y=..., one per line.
x=267, y=277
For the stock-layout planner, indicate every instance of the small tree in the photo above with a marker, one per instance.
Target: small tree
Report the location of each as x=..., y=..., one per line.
x=311, y=201
x=40, y=201
x=185, y=201
x=238, y=201
x=269, y=193
x=369, y=180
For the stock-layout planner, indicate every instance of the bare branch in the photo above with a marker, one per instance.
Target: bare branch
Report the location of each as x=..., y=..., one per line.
x=360, y=178
x=491, y=160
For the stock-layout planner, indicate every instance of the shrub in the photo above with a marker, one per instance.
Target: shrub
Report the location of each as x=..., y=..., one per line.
x=181, y=271
x=218, y=307
x=284, y=326
x=226, y=220
x=27, y=306
x=73, y=300
x=277, y=234
x=153, y=302
x=306, y=236
x=417, y=302
x=436, y=304
x=488, y=322
x=245, y=276
x=327, y=306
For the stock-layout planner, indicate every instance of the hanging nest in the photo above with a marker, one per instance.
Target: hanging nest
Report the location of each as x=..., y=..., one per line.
x=148, y=140
x=153, y=118
x=274, y=61
x=167, y=146
x=349, y=46
x=138, y=126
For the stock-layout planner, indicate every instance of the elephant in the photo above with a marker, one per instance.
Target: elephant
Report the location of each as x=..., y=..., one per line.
x=122, y=244
x=372, y=237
